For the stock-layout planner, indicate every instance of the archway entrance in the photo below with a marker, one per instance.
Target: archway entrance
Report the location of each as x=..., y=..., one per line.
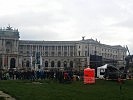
x=46, y=63
x=71, y=64
x=52, y=64
x=12, y=63
x=65, y=64
x=59, y=64
x=28, y=64
x=0, y=62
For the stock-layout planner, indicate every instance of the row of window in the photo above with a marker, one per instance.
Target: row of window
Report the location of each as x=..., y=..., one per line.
x=52, y=64
x=105, y=55
x=103, y=49
x=49, y=53
x=47, y=47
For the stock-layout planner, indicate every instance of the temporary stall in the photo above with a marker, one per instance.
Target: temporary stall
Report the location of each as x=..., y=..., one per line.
x=89, y=76
x=101, y=71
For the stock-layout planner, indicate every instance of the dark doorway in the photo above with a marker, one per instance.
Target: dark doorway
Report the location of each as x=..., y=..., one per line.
x=46, y=63
x=71, y=64
x=0, y=62
x=52, y=64
x=27, y=64
x=59, y=64
x=12, y=63
x=65, y=64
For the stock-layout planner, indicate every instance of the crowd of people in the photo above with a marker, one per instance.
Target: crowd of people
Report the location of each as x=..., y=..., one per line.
x=59, y=75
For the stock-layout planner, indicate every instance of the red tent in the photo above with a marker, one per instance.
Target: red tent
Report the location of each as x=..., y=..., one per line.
x=89, y=76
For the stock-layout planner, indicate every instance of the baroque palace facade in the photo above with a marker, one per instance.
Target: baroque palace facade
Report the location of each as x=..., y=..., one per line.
x=15, y=53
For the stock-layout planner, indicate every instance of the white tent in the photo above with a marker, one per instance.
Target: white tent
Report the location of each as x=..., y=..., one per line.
x=101, y=71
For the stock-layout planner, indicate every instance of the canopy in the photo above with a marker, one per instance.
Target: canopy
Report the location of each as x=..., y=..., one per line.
x=101, y=71
x=104, y=66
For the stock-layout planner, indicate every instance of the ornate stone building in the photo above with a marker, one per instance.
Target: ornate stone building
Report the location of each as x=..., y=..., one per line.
x=15, y=53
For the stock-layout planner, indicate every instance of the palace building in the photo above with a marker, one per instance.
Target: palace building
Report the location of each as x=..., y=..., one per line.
x=16, y=53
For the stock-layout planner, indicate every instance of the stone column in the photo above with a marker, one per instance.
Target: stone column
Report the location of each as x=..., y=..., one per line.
x=17, y=62
x=62, y=64
x=57, y=51
x=62, y=50
x=54, y=50
x=68, y=64
x=48, y=50
x=73, y=51
x=55, y=64
x=67, y=50
x=43, y=50
x=74, y=65
x=49, y=63
x=3, y=62
x=4, y=46
x=20, y=61
x=8, y=62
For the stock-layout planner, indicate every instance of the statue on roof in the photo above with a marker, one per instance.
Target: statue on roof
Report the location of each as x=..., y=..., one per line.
x=9, y=27
x=83, y=37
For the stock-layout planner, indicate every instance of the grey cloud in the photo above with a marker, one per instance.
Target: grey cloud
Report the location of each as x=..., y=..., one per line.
x=128, y=23
x=38, y=35
x=71, y=19
x=29, y=19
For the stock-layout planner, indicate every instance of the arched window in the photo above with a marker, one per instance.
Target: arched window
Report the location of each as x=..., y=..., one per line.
x=71, y=64
x=12, y=63
x=46, y=63
x=0, y=62
x=52, y=63
x=8, y=46
x=59, y=64
x=27, y=64
x=22, y=63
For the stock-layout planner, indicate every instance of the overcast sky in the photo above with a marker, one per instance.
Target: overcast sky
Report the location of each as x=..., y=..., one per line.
x=108, y=21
